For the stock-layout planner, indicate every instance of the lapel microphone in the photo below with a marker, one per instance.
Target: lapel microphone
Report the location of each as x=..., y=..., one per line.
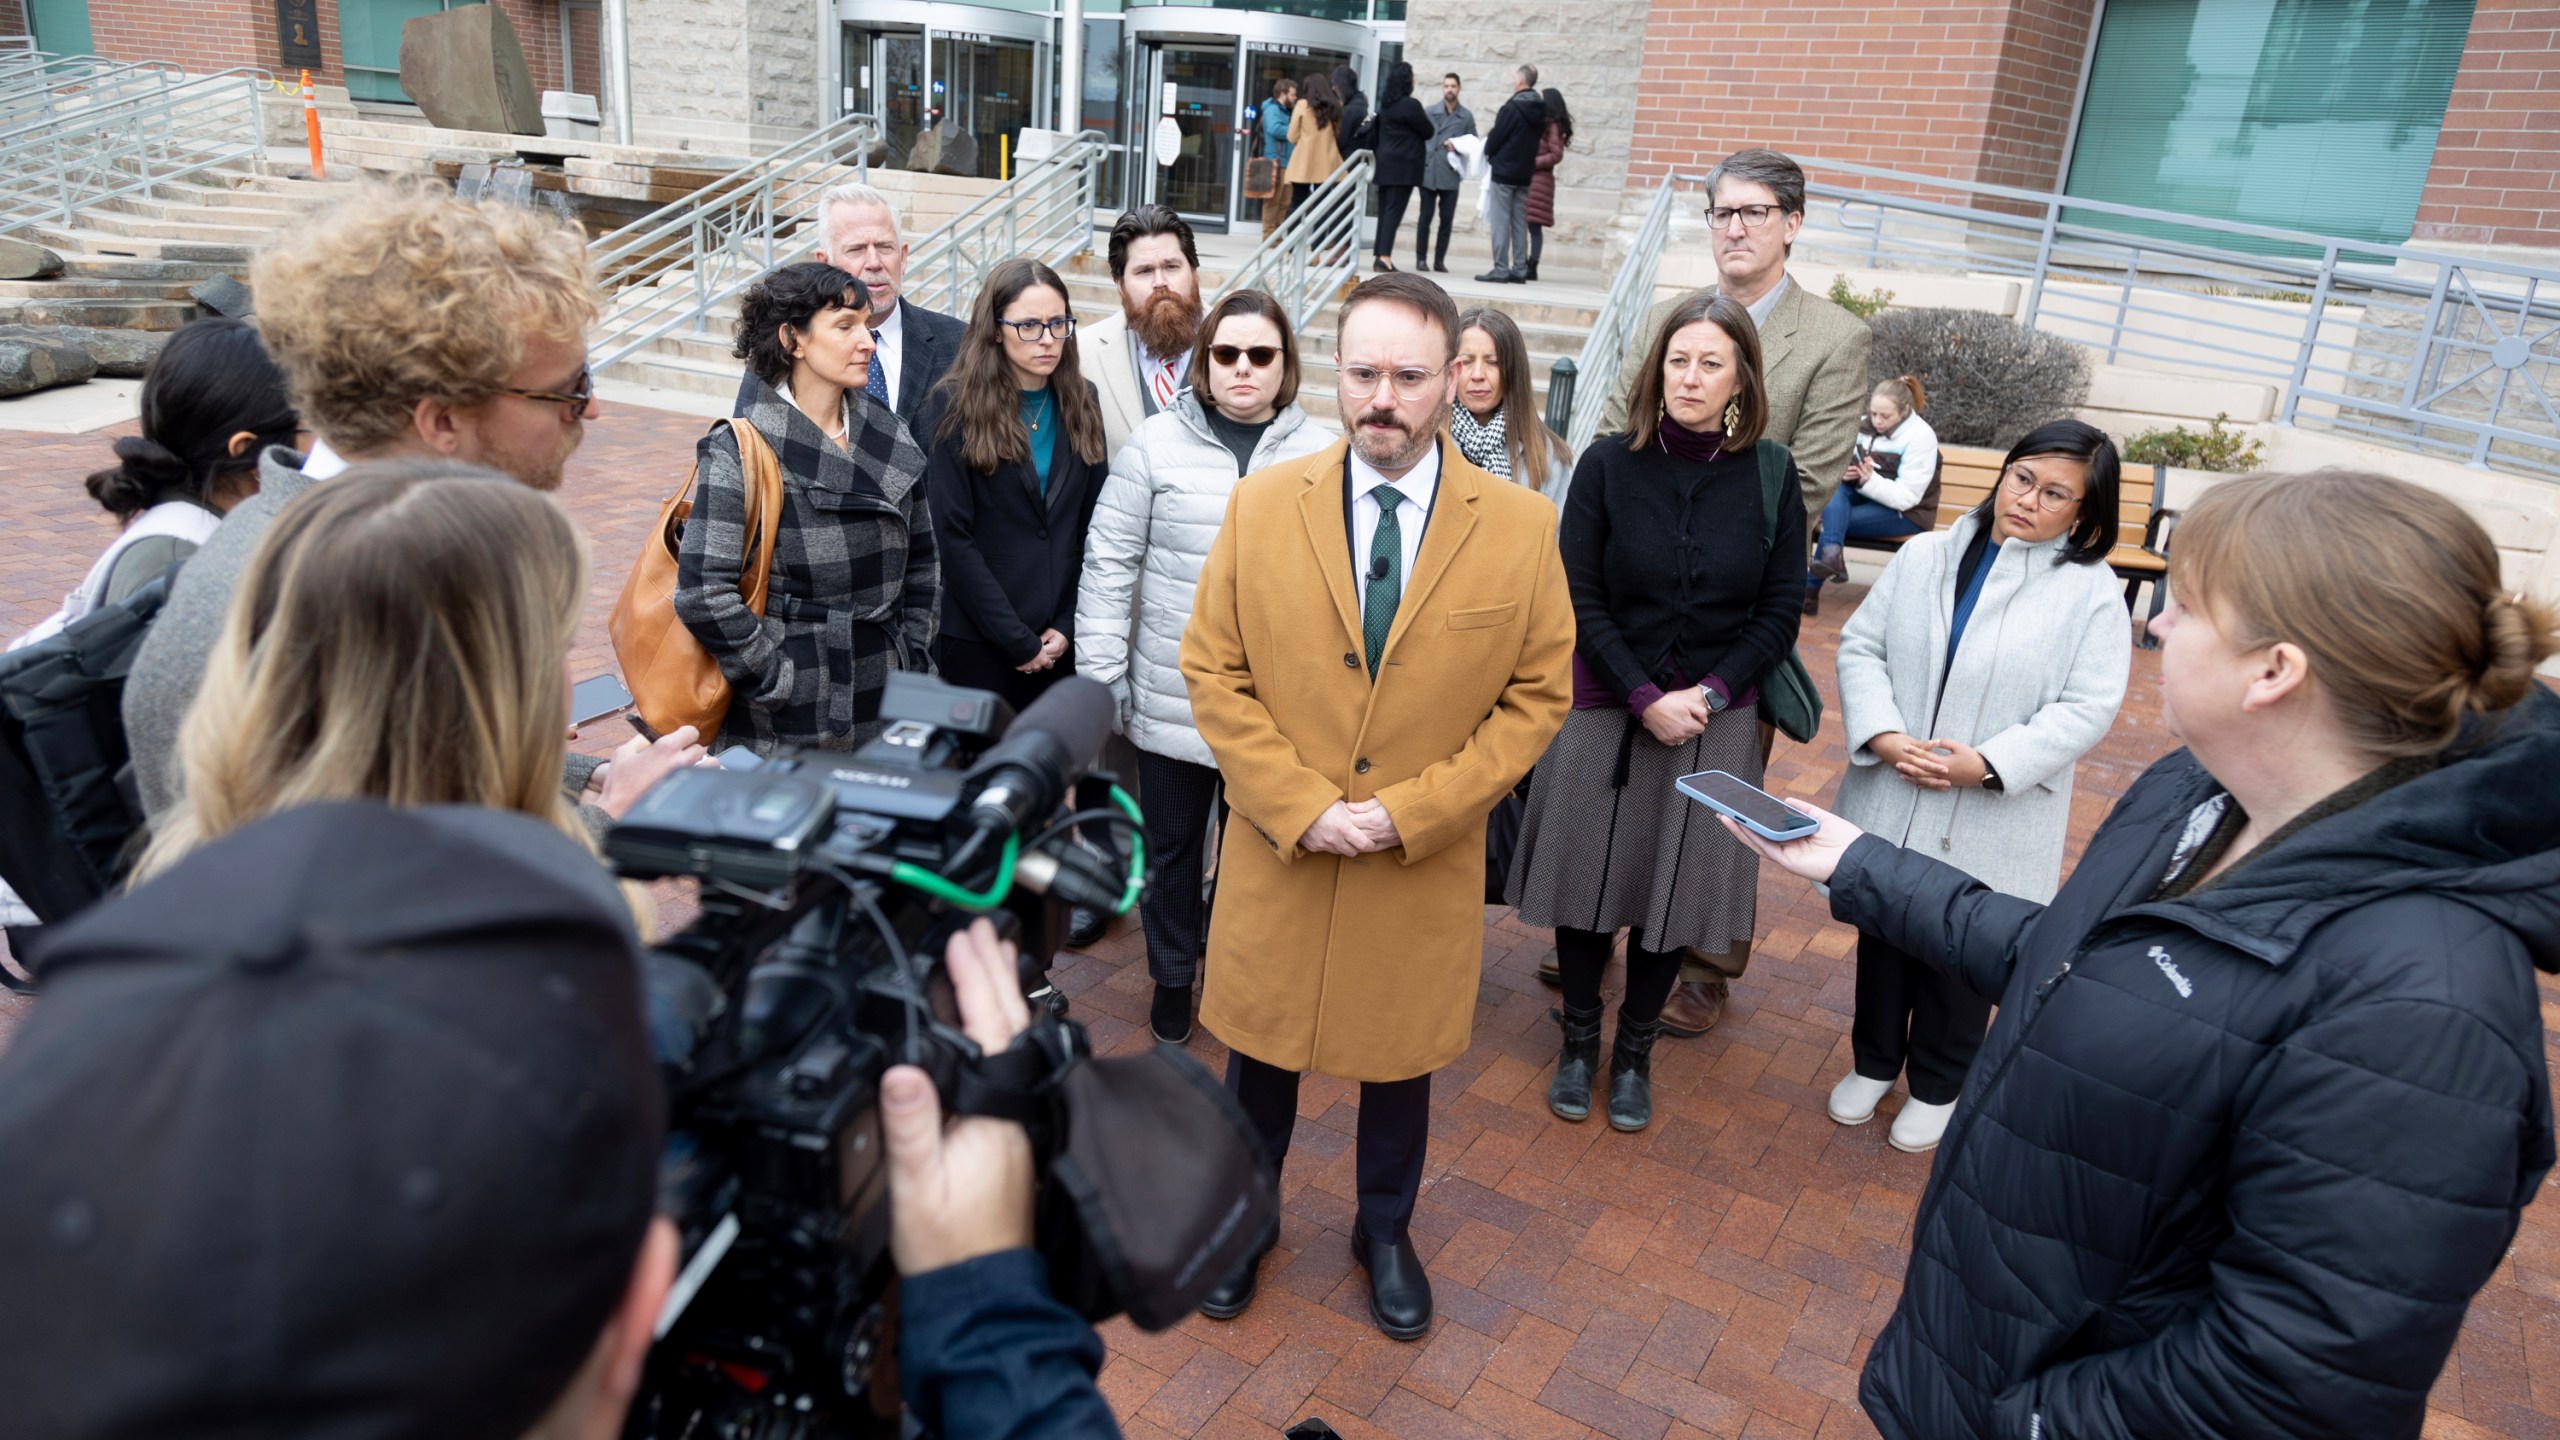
x=1377, y=567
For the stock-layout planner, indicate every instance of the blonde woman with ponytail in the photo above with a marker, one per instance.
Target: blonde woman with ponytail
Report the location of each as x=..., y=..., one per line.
x=402, y=634
x=1891, y=487
x=2267, y=1091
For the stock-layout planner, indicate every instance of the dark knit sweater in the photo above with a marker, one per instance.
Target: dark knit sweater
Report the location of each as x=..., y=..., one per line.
x=1671, y=584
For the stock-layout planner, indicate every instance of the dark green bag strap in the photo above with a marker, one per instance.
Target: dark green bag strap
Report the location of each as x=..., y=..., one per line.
x=1774, y=461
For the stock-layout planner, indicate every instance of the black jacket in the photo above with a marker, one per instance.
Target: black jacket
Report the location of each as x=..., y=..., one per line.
x=1010, y=559
x=2231, y=1163
x=1402, y=137
x=1511, y=150
x=931, y=340
x=1353, y=129
x=1670, y=580
x=986, y=1350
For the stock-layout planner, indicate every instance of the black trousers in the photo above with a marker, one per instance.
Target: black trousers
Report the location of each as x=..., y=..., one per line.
x=1915, y=1017
x=1446, y=202
x=1395, y=1127
x=981, y=666
x=1537, y=244
x=1179, y=795
x=1391, y=202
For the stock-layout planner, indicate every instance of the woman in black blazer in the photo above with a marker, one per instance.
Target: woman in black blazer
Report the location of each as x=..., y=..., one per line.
x=1017, y=462
x=1400, y=137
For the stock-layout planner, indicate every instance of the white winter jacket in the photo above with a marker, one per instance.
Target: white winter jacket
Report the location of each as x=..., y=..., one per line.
x=1152, y=529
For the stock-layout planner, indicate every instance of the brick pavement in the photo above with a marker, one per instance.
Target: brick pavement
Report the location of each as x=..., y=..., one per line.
x=1721, y=1274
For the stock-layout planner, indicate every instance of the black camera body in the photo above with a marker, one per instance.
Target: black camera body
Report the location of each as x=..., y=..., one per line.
x=827, y=887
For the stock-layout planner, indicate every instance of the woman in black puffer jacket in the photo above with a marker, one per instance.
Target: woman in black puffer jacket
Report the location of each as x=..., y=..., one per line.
x=2267, y=1090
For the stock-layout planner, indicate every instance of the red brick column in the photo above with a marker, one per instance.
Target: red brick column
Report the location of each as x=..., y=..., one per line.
x=2493, y=180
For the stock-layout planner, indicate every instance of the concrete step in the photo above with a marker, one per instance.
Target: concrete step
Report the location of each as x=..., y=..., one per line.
x=117, y=223
x=91, y=242
x=178, y=214
x=667, y=367
x=104, y=314
x=65, y=288
x=132, y=271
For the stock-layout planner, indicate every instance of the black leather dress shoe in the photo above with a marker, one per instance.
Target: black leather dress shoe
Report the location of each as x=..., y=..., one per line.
x=1229, y=1299
x=1399, y=1293
x=1085, y=927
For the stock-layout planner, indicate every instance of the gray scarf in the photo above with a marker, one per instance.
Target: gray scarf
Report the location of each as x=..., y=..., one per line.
x=1481, y=441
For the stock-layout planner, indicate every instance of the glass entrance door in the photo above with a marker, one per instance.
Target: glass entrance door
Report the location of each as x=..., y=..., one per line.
x=1202, y=178
x=953, y=86
x=983, y=89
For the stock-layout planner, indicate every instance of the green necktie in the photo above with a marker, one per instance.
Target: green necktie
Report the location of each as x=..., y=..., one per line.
x=1386, y=584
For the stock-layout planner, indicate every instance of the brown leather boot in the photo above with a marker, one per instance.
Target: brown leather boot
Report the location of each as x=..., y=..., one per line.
x=1694, y=1007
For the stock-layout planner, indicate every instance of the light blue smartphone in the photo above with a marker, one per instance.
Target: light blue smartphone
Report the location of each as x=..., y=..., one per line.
x=1760, y=812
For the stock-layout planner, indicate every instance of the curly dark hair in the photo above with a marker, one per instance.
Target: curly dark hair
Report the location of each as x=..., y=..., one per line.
x=790, y=295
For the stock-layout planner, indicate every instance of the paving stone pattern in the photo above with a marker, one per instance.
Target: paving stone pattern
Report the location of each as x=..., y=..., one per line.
x=1721, y=1274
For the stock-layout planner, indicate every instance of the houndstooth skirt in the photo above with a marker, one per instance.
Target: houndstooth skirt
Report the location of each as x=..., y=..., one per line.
x=1594, y=856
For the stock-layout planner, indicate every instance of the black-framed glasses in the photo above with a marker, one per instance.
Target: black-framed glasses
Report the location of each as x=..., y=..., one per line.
x=1057, y=327
x=1262, y=356
x=1361, y=381
x=574, y=401
x=1752, y=216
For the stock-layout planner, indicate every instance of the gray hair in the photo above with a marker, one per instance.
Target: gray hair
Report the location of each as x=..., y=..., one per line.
x=1784, y=177
x=1529, y=73
x=852, y=193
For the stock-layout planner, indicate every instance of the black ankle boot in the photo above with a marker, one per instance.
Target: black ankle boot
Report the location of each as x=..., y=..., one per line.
x=1569, y=1094
x=1631, y=1074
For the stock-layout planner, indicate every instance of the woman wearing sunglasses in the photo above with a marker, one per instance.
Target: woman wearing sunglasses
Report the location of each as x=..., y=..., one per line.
x=1015, y=465
x=1160, y=509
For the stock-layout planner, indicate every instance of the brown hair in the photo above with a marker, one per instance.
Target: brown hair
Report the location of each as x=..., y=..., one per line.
x=399, y=635
x=1644, y=405
x=2391, y=591
x=1905, y=392
x=400, y=293
x=1524, y=431
x=1409, y=289
x=982, y=401
x=1246, y=302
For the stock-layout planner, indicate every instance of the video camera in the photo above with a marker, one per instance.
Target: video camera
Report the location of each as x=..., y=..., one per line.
x=829, y=886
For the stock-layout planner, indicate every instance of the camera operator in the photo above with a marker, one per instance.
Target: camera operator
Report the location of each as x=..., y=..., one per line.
x=2267, y=1092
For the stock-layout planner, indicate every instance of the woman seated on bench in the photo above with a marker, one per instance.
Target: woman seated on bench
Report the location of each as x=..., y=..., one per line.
x=1891, y=488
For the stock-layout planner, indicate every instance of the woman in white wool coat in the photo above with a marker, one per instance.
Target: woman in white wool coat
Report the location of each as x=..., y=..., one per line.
x=1989, y=658
x=1152, y=528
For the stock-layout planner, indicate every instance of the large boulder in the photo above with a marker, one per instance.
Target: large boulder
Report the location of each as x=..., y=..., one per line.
x=465, y=68
x=119, y=354
x=223, y=296
x=27, y=366
x=25, y=260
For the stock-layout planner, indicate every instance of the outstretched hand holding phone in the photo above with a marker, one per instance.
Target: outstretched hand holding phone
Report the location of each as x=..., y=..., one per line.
x=1812, y=858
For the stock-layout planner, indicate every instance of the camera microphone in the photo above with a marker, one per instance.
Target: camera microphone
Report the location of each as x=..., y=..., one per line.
x=1025, y=775
x=1377, y=567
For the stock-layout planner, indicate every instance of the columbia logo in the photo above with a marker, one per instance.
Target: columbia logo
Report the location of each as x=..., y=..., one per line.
x=2160, y=957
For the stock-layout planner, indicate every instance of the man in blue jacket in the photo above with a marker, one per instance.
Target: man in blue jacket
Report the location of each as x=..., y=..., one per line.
x=1511, y=154
x=1271, y=118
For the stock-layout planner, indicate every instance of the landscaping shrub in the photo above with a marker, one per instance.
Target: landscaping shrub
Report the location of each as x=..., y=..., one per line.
x=2215, y=449
x=1863, y=304
x=1989, y=380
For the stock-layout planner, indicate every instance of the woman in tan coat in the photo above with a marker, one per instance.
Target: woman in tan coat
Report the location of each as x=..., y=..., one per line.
x=1315, y=129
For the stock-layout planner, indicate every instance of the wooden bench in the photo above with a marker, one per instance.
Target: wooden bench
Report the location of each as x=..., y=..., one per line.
x=1968, y=473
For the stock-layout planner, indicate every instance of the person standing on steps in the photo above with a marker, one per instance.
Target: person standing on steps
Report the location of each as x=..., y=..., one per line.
x=1511, y=154
x=1315, y=137
x=1987, y=661
x=1443, y=166
x=1140, y=359
x=1891, y=485
x=1684, y=600
x=1159, y=513
x=1271, y=126
x=1380, y=644
x=1401, y=139
x=1356, y=129
x=1540, y=210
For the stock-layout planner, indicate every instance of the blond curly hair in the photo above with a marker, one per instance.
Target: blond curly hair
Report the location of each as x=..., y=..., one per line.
x=401, y=293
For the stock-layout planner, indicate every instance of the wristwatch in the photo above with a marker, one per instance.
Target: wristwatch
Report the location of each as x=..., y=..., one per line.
x=1991, y=780
x=1715, y=702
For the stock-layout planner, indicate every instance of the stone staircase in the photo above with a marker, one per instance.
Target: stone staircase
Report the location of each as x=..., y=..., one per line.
x=128, y=263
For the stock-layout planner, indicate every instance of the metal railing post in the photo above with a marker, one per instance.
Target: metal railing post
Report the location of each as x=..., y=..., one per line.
x=2043, y=264
x=2310, y=334
x=1560, y=394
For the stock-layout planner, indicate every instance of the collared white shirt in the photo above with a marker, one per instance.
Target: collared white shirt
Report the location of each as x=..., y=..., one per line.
x=1761, y=307
x=892, y=334
x=322, y=462
x=1418, y=486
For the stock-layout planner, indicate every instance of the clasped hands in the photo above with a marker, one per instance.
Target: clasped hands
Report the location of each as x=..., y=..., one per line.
x=1352, y=827
x=1919, y=762
x=1052, y=646
x=1679, y=717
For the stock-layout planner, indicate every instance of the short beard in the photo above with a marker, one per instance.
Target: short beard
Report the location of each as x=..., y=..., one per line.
x=1400, y=453
x=1168, y=323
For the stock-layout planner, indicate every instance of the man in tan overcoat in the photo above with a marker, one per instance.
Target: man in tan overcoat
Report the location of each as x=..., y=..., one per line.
x=1380, y=647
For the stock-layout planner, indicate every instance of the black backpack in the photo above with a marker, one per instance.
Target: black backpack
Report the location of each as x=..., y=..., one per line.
x=70, y=817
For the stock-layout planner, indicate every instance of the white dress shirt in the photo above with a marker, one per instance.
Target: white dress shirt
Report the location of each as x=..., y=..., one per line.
x=1759, y=309
x=322, y=462
x=1418, y=485
x=892, y=334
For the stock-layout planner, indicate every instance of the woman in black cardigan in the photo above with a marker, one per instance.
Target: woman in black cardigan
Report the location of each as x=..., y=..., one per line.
x=1015, y=467
x=1400, y=137
x=1683, y=609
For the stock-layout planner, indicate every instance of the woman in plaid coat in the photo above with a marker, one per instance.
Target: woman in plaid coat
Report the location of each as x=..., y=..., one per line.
x=856, y=590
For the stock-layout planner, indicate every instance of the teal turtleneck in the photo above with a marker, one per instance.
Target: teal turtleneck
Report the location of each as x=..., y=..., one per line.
x=1040, y=417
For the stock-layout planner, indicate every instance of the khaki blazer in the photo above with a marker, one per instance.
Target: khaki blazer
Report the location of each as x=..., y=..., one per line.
x=1366, y=968
x=1109, y=354
x=1814, y=355
x=1319, y=147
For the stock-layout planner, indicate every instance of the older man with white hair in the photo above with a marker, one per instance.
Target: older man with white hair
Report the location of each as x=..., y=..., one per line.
x=858, y=233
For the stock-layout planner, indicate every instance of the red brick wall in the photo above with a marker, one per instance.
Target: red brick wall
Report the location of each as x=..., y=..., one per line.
x=13, y=18
x=2493, y=180
x=1980, y=90
x=218, y=34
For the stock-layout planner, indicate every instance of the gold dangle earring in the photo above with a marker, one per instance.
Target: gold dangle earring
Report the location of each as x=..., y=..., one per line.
x=1732, y=414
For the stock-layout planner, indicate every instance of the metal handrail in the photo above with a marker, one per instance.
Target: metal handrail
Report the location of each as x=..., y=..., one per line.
x=1595, y=370
x=52, y=170
x=1044, y=212
x=1307, y=261
x=33, y=94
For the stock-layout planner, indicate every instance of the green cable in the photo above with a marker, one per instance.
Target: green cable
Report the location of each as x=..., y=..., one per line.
x=941, y=889
x=1137, y=850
